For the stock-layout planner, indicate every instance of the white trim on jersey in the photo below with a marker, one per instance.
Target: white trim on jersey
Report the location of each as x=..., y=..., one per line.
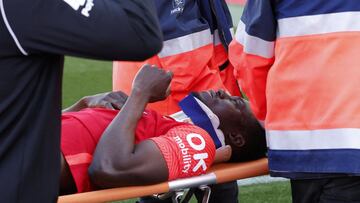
x=10, y=30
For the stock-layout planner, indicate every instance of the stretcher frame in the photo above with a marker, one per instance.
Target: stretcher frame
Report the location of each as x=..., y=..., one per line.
x=219, y=173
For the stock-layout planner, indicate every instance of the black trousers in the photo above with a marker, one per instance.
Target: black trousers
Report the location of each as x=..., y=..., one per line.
x=220, y=193
x=326, y=190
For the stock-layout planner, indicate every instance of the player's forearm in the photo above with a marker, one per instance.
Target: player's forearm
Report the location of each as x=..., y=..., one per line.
x=116, y=157
x=119, y=136
x=124, y=124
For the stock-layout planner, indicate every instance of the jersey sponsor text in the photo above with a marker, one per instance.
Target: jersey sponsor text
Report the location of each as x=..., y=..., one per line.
x=186, y=157
x=76, y=4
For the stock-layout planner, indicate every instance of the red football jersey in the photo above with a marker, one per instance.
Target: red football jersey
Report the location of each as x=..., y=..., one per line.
x=187, y=149
x=82, y=130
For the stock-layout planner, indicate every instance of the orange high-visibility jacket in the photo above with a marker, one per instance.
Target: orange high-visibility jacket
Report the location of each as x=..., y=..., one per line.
x=193, y=50
x=299, y=64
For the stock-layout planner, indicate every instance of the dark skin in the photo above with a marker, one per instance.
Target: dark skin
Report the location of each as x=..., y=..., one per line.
x=140, y=164
x=108, y=100
x=242, y=131
x=132, y=164
x=230, y=110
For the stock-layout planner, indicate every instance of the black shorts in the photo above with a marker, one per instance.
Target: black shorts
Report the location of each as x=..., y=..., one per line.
x=326, y=190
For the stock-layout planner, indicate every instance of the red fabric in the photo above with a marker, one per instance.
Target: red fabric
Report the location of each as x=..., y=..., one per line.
x=187, y=149
x=201, y=77
x=81, y=131
x=204, y=75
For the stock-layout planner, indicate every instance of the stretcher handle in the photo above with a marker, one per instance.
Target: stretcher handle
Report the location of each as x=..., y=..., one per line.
x=219, y=173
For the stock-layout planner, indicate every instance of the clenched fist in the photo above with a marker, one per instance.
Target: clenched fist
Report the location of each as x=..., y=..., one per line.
x=152, y=82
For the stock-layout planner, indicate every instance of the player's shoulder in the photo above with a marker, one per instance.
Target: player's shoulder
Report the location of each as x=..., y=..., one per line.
x=186, y=129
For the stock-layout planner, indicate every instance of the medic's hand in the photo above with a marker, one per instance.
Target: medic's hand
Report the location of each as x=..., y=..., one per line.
x=109, y=100
x=152, y=83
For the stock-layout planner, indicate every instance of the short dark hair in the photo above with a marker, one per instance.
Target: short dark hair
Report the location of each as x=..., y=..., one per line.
x=254, y=146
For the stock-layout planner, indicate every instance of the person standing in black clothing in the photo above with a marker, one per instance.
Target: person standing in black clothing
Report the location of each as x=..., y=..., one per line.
x=34, y=37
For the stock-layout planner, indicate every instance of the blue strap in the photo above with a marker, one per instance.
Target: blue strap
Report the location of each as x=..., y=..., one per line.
x=198, y=116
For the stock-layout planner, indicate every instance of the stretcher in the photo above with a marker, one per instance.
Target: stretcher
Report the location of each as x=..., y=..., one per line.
x=219, y=173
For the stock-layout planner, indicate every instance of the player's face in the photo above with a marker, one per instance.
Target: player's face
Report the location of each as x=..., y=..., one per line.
x=221, y=102
x=230, y=109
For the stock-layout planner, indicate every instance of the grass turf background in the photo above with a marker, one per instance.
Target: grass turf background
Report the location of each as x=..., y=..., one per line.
x=85, y=77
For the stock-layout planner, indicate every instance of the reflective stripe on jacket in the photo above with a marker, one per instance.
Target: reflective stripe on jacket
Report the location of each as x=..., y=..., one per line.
x=195, y=48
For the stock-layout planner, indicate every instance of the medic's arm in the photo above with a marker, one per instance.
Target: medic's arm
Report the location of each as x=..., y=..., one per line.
x=117, y=160
x=101, y=29
x=252, y=52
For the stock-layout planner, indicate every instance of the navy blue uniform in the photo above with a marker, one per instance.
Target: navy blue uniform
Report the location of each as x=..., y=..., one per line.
x=34, y=37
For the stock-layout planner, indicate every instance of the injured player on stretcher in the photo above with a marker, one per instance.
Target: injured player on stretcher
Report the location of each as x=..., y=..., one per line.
x=105, y=148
